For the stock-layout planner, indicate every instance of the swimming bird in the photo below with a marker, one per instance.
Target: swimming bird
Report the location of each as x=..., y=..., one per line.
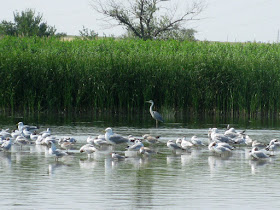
x=57, y=152
x=258, y=154
x=155, y=114
x=114, y=138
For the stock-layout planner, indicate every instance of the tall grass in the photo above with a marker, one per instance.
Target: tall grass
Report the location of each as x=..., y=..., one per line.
x=43, y=74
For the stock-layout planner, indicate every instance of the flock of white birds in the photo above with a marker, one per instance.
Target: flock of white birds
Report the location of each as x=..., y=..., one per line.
x=220, y=143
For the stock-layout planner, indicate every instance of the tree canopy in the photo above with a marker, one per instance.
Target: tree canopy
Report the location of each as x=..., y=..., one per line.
x=27, y=23
x=149, y=19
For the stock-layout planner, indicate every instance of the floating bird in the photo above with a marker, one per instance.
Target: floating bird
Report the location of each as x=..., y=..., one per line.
x=46, y=133
x=155, y=114
x=57, y=152
x=114, y=138
x=257, y=154
x=219, y=148
x=185, y=144
x=218, y=137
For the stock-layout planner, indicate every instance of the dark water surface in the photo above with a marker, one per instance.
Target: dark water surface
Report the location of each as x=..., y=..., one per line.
x=32, y=179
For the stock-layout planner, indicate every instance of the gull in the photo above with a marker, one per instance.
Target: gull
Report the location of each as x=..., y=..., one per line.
x=215, y=144
x=116, y=156
x=5, y=133
x=150, y=139
x=273, y=145
x=172, y=145
x=136, y=146
x=57, y=152
x=257, y=154
x=16, y=133
x=34, y=136
x=66, y=145
x=146, y=151
x=21, y=126
x=232, y=133
x=21, y=140
x=257, y=144
x=46, y=133
x=88, y=148
x=114, y=138
x=26, y=133
x=218, y=137
x=196, y=141
x=67, y=139
x=6, y=146
x=185, y=144
x=219, y=148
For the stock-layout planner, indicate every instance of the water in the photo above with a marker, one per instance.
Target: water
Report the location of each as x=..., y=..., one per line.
x=32, y=179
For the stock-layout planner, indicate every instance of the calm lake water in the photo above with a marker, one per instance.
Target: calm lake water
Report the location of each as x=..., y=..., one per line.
x=32, y=179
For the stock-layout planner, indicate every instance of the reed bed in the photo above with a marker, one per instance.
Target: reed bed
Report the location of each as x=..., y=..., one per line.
x=45, y=74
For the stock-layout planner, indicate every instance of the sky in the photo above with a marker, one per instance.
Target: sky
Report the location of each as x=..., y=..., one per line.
x=221, y=20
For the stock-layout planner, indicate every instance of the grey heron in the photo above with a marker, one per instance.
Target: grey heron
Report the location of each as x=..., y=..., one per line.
x=155, y=114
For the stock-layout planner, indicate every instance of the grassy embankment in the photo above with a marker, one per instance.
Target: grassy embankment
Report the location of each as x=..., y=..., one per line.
x=52, y=75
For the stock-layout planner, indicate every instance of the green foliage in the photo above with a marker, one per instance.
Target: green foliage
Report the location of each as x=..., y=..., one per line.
x=27, y=23
x=89, y=34
x=45, y=74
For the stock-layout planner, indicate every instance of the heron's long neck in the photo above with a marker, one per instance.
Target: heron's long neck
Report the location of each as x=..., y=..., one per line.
x=151, y=108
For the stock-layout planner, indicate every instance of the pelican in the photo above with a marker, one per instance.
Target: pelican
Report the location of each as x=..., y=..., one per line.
x=155, y=114
x=114, y=138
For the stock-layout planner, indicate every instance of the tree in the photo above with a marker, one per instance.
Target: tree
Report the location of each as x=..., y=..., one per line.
x=26, y=23
x=89, y=34
x=147, y=19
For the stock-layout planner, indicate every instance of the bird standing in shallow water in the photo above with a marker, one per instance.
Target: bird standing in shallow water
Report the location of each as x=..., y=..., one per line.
x=155, y=114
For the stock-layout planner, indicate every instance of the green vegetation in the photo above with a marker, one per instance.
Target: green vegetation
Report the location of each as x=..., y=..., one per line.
x=46, y=74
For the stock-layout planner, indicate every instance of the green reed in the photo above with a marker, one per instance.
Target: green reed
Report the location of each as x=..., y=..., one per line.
x=44, y=74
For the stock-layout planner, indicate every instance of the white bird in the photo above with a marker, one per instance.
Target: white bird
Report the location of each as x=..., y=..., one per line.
x=21, y=126
x=273, y=145
x=6, y=146
x=196, y=141
x=5, y=133
x=185, y=144
x=57, y=152
x=155, y=114
x=88, y=148
x=232, y=133
x=100, y=140
x=116, y=156
x=173, y=146
x=218, y=137
x=114, y=138
x=219, y=148
x=146, y=151
x=215, y=144
x=258, y=154
x=66, y=145
x=34, y=136
x=21, y=140
x=26, y=133
x=257, y=144
x=46, y=133
x=136, y=146
x=151, y=139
